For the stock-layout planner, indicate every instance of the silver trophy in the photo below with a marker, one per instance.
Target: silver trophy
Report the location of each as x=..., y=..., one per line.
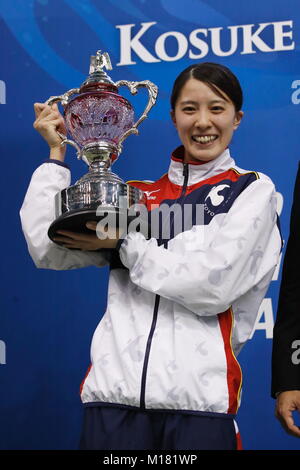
x=99, y=120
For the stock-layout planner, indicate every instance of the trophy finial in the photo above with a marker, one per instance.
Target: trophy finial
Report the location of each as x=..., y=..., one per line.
x=97, y=75
x=99, y=61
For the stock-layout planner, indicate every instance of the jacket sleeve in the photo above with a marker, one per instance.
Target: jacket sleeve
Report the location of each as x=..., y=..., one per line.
x=38, y=212
x=243, y=251
x=286, y=339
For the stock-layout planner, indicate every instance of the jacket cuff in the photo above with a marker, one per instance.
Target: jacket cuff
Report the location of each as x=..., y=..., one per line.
x=119, y=244
x=57, y=162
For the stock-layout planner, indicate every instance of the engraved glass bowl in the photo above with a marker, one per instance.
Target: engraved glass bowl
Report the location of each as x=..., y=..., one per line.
x=98, y=116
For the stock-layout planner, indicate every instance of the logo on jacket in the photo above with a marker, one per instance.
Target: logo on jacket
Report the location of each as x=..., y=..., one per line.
x=148, y=194
x=215, y=198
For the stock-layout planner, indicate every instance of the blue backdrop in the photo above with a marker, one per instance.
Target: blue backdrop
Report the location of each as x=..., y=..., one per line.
x=48, y=318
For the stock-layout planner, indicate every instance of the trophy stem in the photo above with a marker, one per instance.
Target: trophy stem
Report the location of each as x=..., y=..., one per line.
x=99, y=151
x=99, y=165
x=99, y=170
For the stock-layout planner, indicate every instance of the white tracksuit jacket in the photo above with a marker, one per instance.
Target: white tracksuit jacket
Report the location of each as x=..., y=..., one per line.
x=177, y=315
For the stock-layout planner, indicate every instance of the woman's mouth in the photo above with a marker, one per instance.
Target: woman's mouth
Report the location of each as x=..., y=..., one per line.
x=204, y=139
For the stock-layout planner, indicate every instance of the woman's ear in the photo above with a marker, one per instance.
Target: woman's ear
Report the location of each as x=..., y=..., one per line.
x=172, y=114
x=237, y=120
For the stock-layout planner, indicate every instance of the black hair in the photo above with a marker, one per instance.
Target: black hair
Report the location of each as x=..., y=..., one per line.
x=216, y=76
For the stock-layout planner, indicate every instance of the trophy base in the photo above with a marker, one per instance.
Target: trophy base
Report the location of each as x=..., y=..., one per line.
x=94, y=199
x=76, y=221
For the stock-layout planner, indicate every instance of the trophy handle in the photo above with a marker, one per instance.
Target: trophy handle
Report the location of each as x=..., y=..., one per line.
x=133, y=87
x=64, y=99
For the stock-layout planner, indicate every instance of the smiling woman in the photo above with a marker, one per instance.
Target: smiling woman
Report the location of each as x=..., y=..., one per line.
x=206, y=109
x=164, y=373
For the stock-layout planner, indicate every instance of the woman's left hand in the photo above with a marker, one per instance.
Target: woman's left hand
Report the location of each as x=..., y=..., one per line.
x=87, y=241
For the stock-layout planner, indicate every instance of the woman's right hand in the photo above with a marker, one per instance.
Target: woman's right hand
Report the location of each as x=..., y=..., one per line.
x=49, y=121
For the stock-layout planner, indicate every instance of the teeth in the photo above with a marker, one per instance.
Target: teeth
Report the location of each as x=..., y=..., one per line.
x=203, y=139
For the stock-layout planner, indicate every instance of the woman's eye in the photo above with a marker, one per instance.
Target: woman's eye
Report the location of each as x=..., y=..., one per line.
x=217, y=108
x=188, y=109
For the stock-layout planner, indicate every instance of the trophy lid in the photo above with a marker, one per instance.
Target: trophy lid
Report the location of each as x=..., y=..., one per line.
x=98, y=78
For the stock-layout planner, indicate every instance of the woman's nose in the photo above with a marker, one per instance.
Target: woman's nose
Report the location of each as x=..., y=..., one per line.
x=202, y=119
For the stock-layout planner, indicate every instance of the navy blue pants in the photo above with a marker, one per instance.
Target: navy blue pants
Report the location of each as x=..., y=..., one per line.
x=112, y=428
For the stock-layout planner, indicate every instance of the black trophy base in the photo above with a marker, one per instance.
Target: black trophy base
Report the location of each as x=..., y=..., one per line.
x=75, y=221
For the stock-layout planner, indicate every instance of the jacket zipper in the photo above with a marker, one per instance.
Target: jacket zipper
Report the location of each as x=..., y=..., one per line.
x=147, y=354
x=185, y=178
x=155, y=310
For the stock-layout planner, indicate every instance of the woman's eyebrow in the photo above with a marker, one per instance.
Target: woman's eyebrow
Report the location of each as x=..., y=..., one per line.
x=218, y=101
x=196, y=103
x=188, y=102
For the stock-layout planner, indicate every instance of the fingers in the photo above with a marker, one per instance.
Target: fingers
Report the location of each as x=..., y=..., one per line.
x=71, y=242
x=38, y=108
x=48, y=121
x=43, y=109
x=68, y=243
x=75, y=236
x=92, y=225
x=288, y=424
x=103, y=233
x=45, y=112
x=82, y=241
x=284, y=408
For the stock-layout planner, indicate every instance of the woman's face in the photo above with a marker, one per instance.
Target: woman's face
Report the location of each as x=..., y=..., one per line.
x=204, y=121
